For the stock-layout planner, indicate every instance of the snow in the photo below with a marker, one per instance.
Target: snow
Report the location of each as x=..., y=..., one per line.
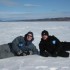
x=10, y=30
x=35, y=62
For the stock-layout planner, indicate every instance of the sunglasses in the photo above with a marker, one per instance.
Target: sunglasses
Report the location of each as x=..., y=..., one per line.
x=29, y=35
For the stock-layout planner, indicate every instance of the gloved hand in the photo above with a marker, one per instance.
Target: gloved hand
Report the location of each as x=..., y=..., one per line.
x=55, y=54
x=24, y=54
x=20, y=53
x=30, y=52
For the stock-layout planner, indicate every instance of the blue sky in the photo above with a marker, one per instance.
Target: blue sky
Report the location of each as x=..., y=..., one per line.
x=34, y=8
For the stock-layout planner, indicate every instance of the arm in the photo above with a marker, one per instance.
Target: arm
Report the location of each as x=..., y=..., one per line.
x=34, y=49
x=15, y=47
x=57, y=45
x=43, y=52
x=41, y=49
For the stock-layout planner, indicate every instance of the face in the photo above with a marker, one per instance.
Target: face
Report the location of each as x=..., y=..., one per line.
x=44, y=37
x=29, y=37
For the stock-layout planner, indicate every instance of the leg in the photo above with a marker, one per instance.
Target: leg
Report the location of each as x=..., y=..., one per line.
x=5, y=51
x=65, y=46
x=63, y=54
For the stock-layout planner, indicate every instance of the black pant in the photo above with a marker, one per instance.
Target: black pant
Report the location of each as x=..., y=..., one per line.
x=65, y=46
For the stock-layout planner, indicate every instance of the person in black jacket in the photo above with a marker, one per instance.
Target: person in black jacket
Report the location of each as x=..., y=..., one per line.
x=51, y=46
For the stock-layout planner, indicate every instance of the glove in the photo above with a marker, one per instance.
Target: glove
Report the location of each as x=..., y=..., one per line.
x=20, y=53
x=24, y=54
x=30, y=52
x=54, y=54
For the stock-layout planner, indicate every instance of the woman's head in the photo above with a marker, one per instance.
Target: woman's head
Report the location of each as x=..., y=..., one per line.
x=29, y=36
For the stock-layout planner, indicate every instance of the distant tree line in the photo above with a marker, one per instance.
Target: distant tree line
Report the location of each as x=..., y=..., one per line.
x=43, y=19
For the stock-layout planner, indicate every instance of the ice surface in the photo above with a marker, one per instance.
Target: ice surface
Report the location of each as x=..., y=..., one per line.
x=10, y=30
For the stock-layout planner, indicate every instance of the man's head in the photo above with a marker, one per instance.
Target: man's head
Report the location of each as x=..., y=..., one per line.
x=29, y=36
x=44, y=34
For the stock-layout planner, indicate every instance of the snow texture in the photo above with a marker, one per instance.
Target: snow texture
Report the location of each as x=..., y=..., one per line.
x=10, y=30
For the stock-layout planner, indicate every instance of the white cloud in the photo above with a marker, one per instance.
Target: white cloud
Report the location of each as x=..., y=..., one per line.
x=30, y=15
x=8, y=2
x=13, y=3
x=14, y=15
x=30, y=5
x=6, y=12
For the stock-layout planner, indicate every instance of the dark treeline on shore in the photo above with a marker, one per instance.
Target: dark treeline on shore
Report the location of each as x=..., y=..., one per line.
x=43, y=19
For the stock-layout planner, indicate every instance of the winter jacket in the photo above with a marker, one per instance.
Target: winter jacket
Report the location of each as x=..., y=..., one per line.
x=51, y=46
x=20, y=43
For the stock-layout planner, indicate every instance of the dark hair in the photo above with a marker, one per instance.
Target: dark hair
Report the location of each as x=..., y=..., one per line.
x=25, y=37
x=44, y=32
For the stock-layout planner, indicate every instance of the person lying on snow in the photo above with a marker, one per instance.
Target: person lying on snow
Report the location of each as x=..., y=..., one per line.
x=51, y=46
x=23, y=45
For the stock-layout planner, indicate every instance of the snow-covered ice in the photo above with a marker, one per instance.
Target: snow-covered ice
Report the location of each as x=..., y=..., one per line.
x=35, y=62
x=10, y=30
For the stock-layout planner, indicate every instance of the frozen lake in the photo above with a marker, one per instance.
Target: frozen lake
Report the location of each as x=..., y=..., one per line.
x=10, y=30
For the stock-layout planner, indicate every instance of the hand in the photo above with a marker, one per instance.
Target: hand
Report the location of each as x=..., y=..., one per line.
x=19, y=53
x=30, y=52
x=24, y=54
x=55, y=54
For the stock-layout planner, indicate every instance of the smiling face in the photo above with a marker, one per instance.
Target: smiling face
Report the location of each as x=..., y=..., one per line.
x=29, y=37
x=44, y=37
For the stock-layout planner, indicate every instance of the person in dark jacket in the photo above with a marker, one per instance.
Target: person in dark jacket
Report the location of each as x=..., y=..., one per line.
x=23, y=45
x=51, y=46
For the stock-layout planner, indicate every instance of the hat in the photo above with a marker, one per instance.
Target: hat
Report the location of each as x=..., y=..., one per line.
x=30, y=33
x=44, y=32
